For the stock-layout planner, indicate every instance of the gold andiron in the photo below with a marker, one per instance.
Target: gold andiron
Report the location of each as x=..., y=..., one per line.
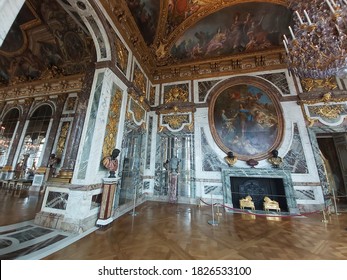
x=271, y=204
x=247, y=202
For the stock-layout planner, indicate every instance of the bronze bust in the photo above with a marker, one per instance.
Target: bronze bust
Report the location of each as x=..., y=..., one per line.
x=230, y=159
x=275, y=160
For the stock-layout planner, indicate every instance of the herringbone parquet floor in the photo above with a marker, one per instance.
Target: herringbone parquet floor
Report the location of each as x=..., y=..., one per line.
x=164, y=231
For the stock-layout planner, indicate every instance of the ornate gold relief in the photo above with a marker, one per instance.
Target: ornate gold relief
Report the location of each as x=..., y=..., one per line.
x=70, y=103
x=140, y=80
x=62, y=139
x=175, y=121
x=318, y=84
x=152, y=96
x=327, y=111
x=122, y=55
x=176, y=94
x=161, y=51
x=112, y=123
x=326, y=107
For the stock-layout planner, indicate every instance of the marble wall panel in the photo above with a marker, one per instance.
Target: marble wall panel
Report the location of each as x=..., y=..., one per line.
x=90, y=129
x=57, y=200
x=203, y=89
x=295, y=160
x=278, y=79
x=213, y=189
x=149, y=142
x=210, y=160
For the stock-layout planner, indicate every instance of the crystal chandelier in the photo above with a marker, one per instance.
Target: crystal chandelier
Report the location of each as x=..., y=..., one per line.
x=316, y=47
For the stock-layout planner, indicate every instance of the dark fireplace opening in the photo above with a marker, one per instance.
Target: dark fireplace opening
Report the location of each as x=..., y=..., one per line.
x=258, y=188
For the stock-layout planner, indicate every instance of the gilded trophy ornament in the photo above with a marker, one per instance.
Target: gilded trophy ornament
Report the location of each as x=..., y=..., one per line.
x=176, y=94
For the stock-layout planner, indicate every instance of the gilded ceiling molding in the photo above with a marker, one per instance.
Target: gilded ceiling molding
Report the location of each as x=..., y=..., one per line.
x=67, y=84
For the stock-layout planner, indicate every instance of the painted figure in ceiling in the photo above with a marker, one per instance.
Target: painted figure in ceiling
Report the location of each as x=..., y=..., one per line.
x=146, y=14
x=235, y=29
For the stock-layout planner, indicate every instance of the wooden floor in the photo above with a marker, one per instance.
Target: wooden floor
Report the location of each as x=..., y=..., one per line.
x=162, y=231
x=15, y=210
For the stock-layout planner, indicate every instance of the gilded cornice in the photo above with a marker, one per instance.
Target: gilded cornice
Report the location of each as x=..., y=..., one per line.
x=231, y=65
x=38, y=88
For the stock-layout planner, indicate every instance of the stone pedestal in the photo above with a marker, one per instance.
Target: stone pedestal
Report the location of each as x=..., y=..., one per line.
x=107, y=202
x=173, y=179
x=69, y=207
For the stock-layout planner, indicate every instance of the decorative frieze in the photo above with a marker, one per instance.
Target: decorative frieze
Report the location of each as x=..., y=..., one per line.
x=42, y=88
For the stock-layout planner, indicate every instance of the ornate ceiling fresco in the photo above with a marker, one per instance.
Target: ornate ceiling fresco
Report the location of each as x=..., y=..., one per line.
x=45, y=41
x=169, y=33
x=171, y=39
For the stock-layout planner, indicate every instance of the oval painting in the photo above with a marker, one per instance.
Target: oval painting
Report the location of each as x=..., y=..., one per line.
x=245, y=117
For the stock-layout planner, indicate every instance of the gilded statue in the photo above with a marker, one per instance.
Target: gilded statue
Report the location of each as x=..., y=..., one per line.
x=230, y=159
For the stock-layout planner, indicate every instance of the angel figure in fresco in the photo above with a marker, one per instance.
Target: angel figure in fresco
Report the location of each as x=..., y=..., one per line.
x=217, y=42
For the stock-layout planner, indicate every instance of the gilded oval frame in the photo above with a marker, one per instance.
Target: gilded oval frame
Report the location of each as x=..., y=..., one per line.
x=252, y=124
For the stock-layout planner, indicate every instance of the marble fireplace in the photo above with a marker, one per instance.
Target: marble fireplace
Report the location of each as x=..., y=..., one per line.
x=258, y=183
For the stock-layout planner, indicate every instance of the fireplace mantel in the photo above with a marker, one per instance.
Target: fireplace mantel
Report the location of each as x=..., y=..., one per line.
x=285, y=175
